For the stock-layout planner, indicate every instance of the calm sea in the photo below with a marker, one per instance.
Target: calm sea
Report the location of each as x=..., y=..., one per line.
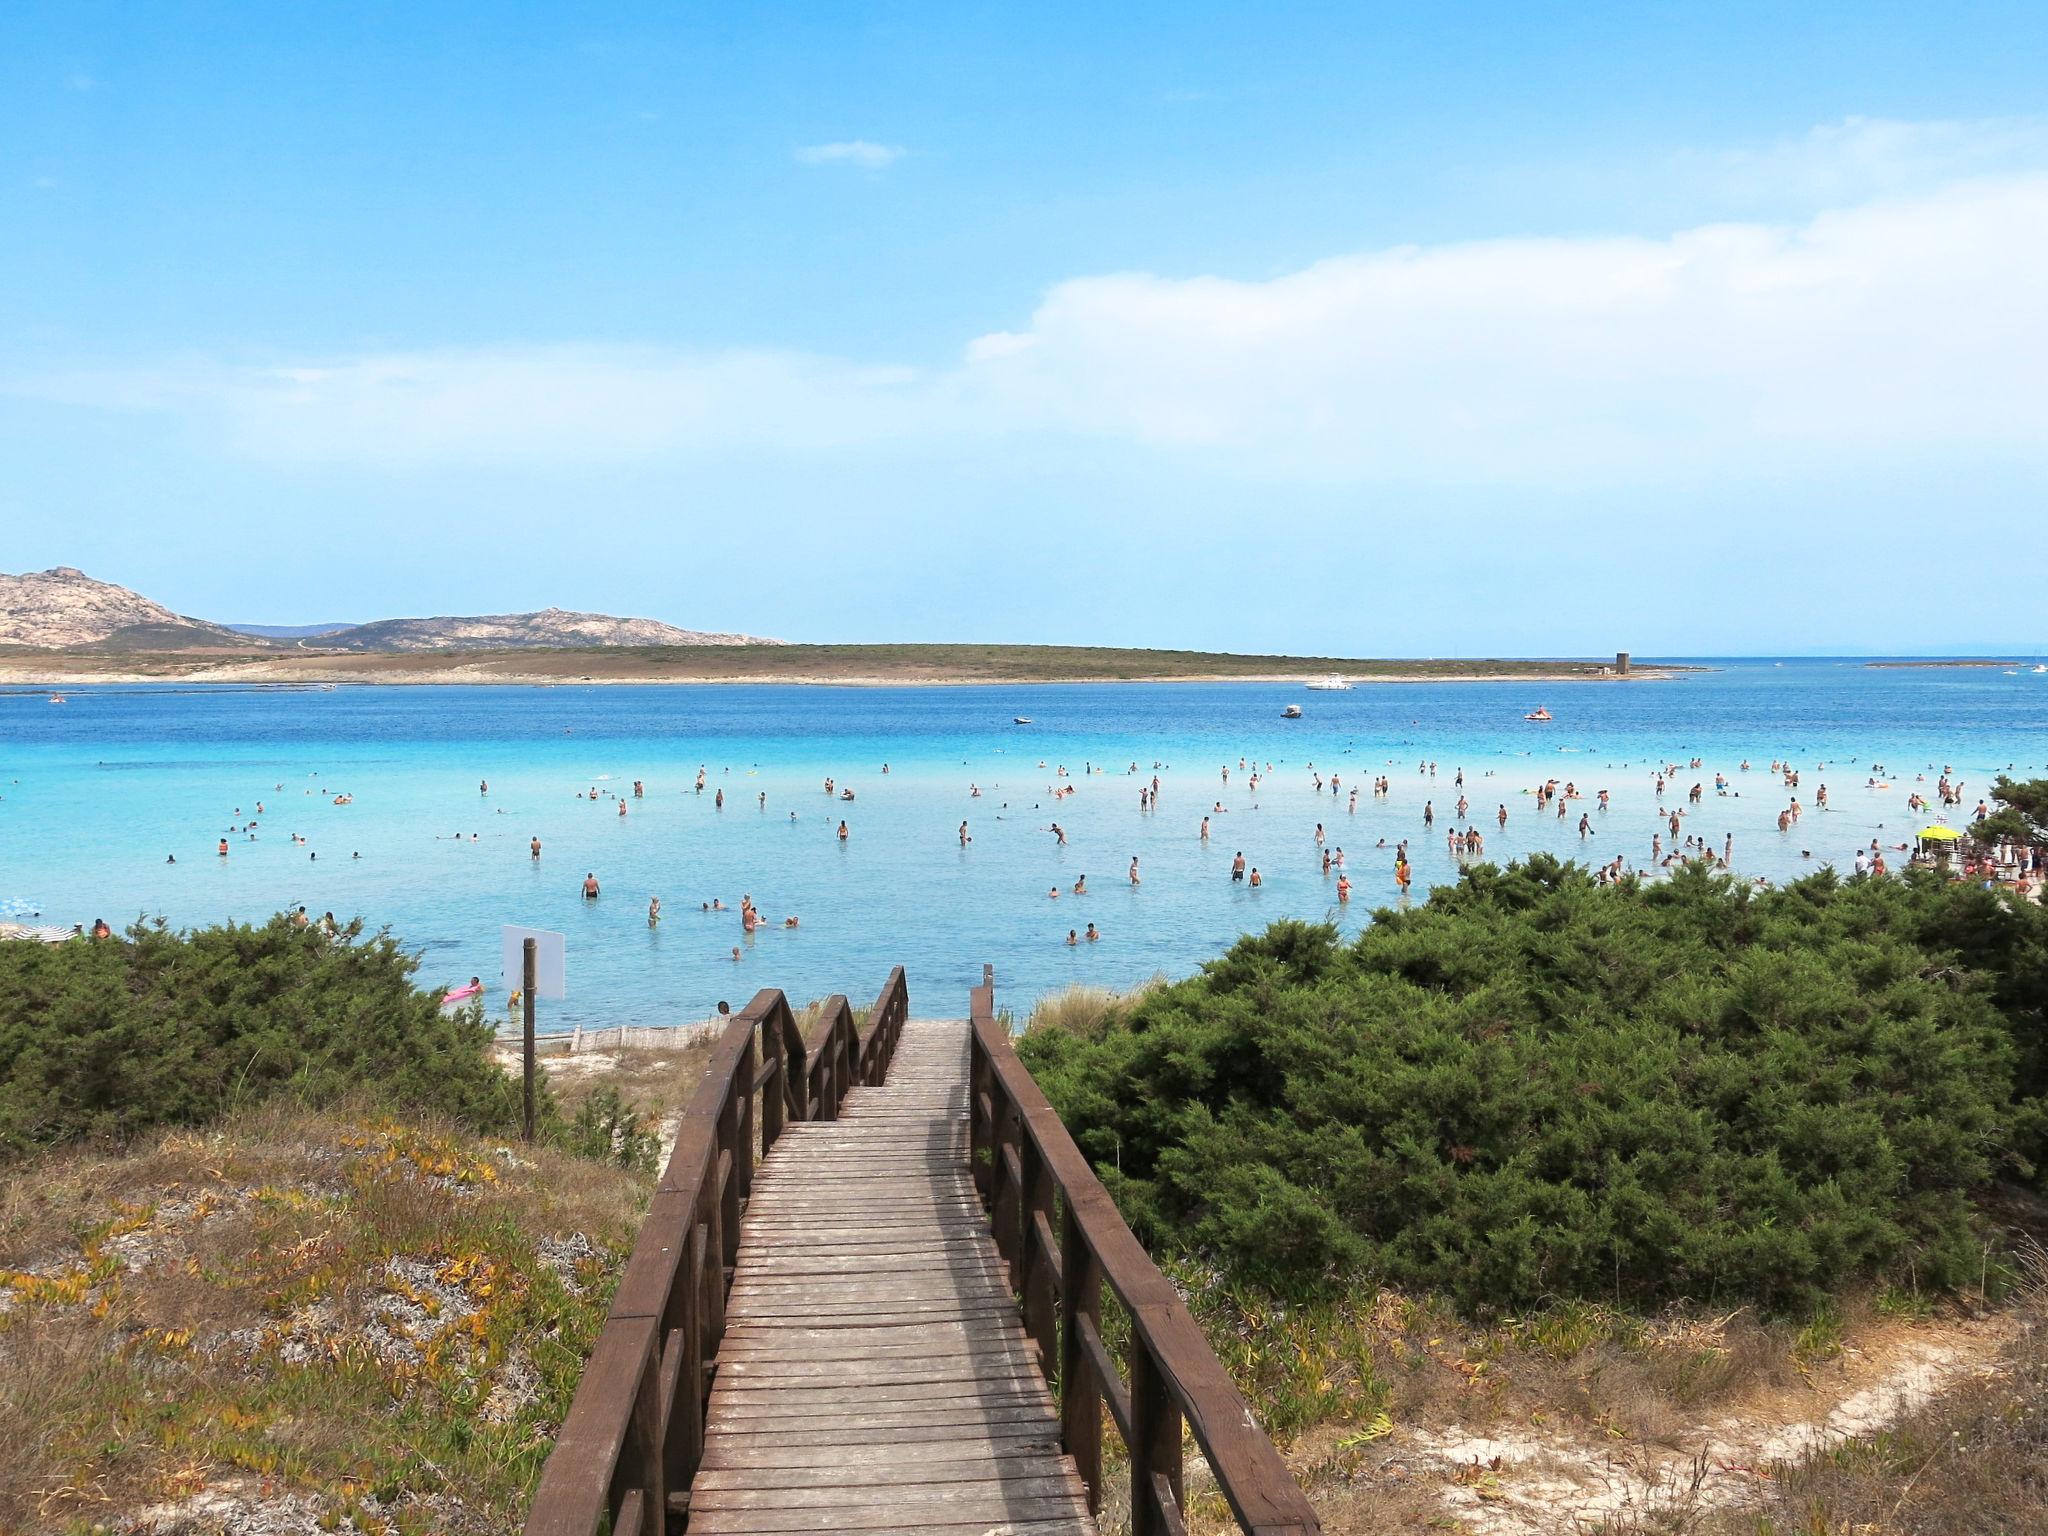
x=95, y=795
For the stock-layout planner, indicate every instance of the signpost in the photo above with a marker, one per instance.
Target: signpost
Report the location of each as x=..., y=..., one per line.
x=539, y=957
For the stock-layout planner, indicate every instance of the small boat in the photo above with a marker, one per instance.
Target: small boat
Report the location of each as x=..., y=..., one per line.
x=1538, y=713
x=1020, y=720
x=58, y=698
x=1329, y=685
x=2043, y=667
x=1291, y=712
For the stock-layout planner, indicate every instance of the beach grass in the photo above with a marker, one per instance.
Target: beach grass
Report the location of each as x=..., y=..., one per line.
x=362, y=1321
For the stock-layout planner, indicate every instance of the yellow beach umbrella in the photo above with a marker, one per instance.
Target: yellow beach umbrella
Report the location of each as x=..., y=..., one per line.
x=1939, y=835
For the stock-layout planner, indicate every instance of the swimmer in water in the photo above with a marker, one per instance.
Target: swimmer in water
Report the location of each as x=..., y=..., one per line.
x=590, y=886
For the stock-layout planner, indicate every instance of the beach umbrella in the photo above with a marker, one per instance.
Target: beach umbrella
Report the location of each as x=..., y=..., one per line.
x=1940, y=835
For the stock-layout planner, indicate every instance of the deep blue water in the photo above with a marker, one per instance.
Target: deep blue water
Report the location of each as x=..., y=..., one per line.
x=95, y=794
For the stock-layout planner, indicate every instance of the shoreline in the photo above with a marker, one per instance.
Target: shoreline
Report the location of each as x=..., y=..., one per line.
x=42, y=682
x=558, y=669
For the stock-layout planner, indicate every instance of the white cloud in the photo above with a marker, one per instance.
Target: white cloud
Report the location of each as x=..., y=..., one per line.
x=858, y=152
x=1897, y=326
x=1860, y=158
x=1903, y=327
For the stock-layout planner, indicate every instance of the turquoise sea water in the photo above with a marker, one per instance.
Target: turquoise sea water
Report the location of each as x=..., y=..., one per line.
x=96, y=793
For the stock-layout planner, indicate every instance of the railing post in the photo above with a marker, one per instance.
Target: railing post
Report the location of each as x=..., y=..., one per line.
x=640, y=1458
x=796, y=1077
x=1080, y=1392
x=1034, y=1200
x=685, y=1448
x=980, y=1121
x=775, y=1094
x=1155, y=1442
x=743, y=1142
x=1009, y=1208
x=726, y=1197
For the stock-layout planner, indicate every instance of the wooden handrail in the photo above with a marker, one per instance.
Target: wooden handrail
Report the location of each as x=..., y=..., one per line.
x=1024, y=1164
x=634, y=1434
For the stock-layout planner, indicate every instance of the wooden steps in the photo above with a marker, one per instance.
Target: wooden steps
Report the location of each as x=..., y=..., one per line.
x=875, y=1375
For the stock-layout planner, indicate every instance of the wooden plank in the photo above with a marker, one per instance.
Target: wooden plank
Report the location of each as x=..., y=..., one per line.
x=768, y=1454
x=1029, y=1389
x=796, y=1417
x=910, y=1487
x=986, y=1469
x=981, y=1512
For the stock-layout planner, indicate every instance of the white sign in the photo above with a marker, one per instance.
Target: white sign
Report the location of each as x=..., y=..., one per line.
x=548, y=952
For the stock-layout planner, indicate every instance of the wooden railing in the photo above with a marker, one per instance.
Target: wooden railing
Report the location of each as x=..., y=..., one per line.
x=1063, y=1240
x=635, y=1432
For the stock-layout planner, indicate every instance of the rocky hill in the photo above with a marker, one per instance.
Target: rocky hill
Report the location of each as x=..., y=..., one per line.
x=520, y=631
x=62, y=608
x=65, y=609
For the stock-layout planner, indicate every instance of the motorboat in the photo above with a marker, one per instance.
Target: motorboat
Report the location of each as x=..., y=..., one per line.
x=1538, y=713
x=1329, y=685
x=1020, y=720
x=2042, y=667
x=1291, y=712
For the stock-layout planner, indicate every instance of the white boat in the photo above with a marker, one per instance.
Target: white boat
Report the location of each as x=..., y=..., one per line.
x=1291, y=712
x=1329, y=685
x=1020, y=720
x=2042, y=667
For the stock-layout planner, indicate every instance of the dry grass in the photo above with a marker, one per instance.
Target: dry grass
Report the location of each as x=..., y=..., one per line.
x=1972, y=1459
x=1358, y=1391
x=1085, y=1011
x=351, y=1322
x=651, y=1083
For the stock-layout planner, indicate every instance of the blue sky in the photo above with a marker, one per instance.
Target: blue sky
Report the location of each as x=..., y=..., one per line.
x=1423, y=329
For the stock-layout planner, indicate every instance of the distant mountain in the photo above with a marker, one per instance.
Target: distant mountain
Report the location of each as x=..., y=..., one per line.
x=288, y=631
x=64, y=609
x=552, y=627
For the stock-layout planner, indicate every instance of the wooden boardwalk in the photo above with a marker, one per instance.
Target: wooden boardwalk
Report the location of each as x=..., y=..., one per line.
x=874, y=1374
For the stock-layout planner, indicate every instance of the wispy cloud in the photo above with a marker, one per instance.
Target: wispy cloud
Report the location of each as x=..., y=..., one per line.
x=1862, y=157
x=868, y=156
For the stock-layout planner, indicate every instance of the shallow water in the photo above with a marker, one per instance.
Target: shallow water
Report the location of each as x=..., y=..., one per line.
x=95, y=794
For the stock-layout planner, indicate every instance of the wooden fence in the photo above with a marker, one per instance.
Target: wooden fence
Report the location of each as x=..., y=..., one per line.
x=1063, y=1240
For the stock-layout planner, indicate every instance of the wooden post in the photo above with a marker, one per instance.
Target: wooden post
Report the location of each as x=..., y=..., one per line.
x=1037, y=1237
x=775, y=1095
x=530, y=969
x=1155, y=1442
x=1080, y=1392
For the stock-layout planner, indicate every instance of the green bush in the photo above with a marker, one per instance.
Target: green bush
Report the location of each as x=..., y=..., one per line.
x=1535, y=1086
x=107, y=1038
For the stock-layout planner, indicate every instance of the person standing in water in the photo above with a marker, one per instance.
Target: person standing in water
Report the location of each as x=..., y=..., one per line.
x=533, y=850
x=590, y=886
x=653, y=910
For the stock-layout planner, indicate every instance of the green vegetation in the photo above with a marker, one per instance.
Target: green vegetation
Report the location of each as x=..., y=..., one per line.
x=1536, y=1087
x=2022, y=814
x=272, y=661
x=110, y=1038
